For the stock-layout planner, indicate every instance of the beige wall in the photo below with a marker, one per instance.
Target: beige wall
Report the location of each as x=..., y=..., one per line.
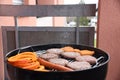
x=109, y=35
x=29, y=2
x=27, y=21
x=5, y=2
x=4, y=21
x=50, y=2
x=58, y=21
x=46, y=2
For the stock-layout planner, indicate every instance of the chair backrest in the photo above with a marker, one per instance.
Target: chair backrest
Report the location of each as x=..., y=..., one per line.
x=46, y=35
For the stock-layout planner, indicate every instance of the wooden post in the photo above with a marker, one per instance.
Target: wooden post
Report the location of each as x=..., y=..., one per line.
x=109, y=34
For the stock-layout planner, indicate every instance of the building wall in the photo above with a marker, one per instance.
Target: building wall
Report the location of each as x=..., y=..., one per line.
x=50, y=2
x=27, y=21
x=6, y=20
x=109, y=34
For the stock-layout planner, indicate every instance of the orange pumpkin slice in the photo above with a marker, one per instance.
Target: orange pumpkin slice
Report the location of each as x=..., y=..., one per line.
x=68, y=49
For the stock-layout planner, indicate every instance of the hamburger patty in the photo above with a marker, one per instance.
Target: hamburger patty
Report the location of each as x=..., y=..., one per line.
x=59, y=61
x=70, y=54
x=55, y=51
x=87, y=58
x=48, y=56
x=79, y=65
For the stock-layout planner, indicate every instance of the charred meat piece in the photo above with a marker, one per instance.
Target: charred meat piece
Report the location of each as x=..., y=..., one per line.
x=59, y=61
x=88, y=58
x=70, y=54
x=79, y=65
x=48, y=56
x=55, y=51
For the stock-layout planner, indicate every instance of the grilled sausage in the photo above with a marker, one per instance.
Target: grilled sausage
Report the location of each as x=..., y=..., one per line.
x=53, y=66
